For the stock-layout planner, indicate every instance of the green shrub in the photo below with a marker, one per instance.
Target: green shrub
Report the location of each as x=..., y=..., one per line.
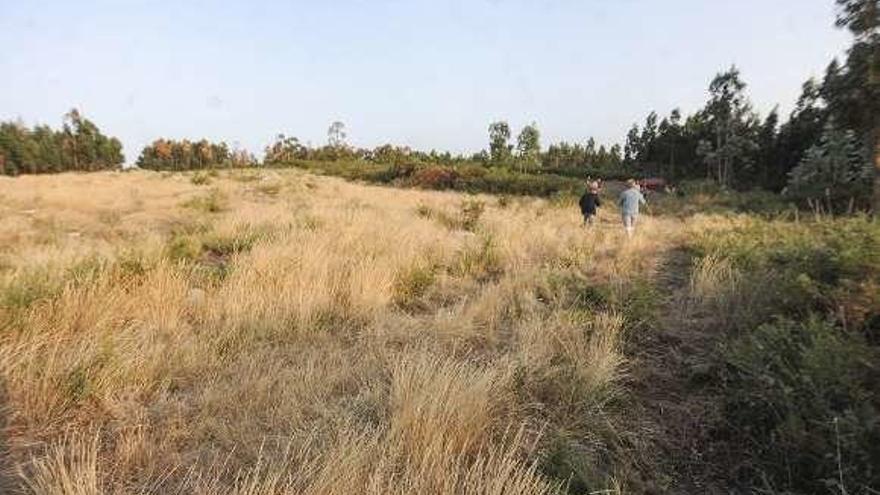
x=183, y=248
x=243, y=239
x=25, y=288
x=798, y=377
x=469, y=177
x=131, y=266
x=566, y=459
x=214, y=202
x=411, y=285
x=794, y=394
x=28, y=287
x=798, y=268
x=200, y=179
x=480, y=261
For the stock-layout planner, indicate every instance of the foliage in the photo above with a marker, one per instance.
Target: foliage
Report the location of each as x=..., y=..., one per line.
x=166, y=154
x=726, y=141
x=499, y=142
x=581, y=158
x=803, y=397
x=78, y=146
x=285, y=149
x=469, y=177
x=434, y=178
x=528, y=147
x=336, y=135
x=213, y=202
x=798, y=377
x=856, y=90
x=732, y=124
x=835, y=175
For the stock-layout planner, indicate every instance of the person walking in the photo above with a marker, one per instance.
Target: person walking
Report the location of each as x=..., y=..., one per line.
x=590, y=203
x=630, y=200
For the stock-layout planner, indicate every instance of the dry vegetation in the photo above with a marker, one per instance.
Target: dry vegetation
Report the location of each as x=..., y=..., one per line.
x=284, y=333
x=269, y=332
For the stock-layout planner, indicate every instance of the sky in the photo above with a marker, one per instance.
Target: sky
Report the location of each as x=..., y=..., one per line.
x=427, y=74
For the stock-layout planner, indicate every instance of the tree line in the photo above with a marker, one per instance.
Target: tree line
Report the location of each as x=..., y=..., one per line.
x=78, y=146
x=827, y=151
x=177, y=155
x=285, y=150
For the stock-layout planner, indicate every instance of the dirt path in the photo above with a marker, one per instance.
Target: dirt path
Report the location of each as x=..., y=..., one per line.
x=674, y=398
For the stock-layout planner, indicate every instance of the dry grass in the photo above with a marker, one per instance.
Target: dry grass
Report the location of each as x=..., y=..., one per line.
x=300, y=335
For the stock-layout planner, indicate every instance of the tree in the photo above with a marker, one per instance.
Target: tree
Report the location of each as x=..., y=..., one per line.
x=285, y=149
x=835, y=175
x=649, y=135
x=167, y=154
x=802, y=131
x=633, y=147
x=732, y=122
x=671, y=133
x=528, y=146
x=615, y=158
x=590, y=151
x=79, y=145
x=767, y=145
x=499, y=142
x=336, y=135
x=71, y=129
x=862, y=18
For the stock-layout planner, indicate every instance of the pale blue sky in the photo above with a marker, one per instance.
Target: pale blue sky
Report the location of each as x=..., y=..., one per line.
x=425, y=74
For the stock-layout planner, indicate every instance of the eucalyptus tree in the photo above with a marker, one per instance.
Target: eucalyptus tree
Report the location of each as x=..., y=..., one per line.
x=862, y=18
x=528, y=146
x=499, y=142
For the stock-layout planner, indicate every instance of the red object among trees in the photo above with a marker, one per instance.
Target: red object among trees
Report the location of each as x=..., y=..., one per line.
x=654, y=184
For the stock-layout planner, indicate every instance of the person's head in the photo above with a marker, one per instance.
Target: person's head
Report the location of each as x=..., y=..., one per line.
x=594, y=187
x=632, y=184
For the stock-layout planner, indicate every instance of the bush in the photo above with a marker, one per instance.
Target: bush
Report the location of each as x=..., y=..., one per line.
x=200, y=179
x=796, y=394
x=480, y=261
x=183, y=248
x=797, y=268
x=798, y=377
x=26, y=288
x=470, y=177
x=434, y=178
x=411, y=285
x=214, y=202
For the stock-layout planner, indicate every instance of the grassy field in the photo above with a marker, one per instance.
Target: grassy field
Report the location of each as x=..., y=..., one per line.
x=267, y=332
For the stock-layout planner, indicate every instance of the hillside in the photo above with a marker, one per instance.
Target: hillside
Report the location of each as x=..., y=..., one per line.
x=270, y=331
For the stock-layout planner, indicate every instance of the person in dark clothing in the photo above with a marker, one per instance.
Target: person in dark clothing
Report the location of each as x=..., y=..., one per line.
x=590, y=203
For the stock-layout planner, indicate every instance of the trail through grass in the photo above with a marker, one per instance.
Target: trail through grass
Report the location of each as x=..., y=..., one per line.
x=270, y=332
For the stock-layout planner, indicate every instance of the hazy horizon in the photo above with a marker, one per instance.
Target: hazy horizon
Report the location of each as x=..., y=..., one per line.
x=427, y=75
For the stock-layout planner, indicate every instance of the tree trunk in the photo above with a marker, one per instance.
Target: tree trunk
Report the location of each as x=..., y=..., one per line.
x=875, y=203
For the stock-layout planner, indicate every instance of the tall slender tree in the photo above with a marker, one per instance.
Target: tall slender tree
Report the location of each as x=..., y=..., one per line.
x=862, y=18
x=336, y=135
x=528, y=145
x=733, y=123
x=499, y=142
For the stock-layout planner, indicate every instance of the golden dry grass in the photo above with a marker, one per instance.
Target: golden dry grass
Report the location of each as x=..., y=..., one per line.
x=275, y=332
